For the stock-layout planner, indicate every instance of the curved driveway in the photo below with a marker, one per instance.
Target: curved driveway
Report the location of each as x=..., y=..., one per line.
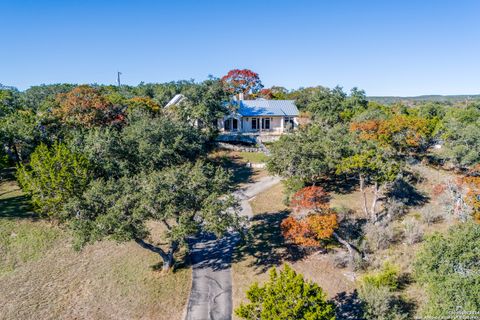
x=211, y=293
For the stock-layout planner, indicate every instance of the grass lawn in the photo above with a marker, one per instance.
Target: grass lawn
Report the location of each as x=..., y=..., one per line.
x=253, y=157
x=42, y=277
x=236, y=164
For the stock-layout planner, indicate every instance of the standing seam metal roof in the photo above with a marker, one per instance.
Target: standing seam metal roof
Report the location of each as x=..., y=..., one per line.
x=249, y=108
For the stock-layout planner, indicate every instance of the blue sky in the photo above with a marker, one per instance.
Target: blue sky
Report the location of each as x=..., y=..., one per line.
x=384, y=47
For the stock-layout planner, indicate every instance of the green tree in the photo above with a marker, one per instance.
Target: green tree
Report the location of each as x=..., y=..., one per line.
x=186, y=199
x=52, y=177
x=448, y=267
x=461, y=131
x=372, y=165
x=311, y=153
x=20, y=132
x=286, y=296
x=205, y=103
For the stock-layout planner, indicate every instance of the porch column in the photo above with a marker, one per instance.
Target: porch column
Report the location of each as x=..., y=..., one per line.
x=261, y=123
x=282, y=121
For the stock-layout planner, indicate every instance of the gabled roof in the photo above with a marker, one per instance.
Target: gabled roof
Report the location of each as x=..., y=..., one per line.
x=260, y=107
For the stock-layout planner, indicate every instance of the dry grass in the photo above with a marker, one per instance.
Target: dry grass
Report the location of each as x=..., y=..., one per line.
x=269, y=201
x=265, y=248
x=44, y=278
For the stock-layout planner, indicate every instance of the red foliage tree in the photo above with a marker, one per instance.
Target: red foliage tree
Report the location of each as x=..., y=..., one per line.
x=319, y=222
x=86, y=106
x=313, y=198
x=242, y=81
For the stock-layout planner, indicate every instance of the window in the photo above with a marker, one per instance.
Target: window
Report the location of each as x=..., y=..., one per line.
x=254, y=124
x=289, y=123
x=234, y=124
x=266, y=123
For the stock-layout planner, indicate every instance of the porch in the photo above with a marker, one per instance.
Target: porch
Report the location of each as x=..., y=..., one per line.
x=273, y=125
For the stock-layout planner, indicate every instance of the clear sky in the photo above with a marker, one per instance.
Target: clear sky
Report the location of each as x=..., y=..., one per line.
x=385, y=47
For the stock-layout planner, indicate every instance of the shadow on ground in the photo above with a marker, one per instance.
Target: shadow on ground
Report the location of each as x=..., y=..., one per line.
x=207, y=251
x=349, y=306
x=240, y=172
x=265, y=243
x=16, y=208
x=406, y=193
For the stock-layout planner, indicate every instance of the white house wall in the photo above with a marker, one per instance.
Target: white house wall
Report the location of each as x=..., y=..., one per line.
x=245, y=125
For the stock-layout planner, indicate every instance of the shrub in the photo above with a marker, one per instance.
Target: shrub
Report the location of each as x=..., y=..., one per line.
x=430, y=216
x=380, y=303
x=386, y=277
x=286, y=296
x=448, y=267
x=377, y=292
x=379, y=236
x=413, y=232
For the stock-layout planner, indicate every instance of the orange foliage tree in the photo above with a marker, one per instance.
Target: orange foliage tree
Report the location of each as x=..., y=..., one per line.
x=143, y=103
x=319, y=223
x=85, y=106
x=311, y=230
x=401, y=132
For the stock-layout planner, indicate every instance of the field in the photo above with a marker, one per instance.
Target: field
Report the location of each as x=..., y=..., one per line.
x=42, y=277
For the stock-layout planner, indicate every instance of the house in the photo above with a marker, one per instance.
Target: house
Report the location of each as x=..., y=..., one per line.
x=260, y=116
x=255, y=117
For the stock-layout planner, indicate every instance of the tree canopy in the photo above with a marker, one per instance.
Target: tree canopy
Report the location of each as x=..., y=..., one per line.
x=286, y=296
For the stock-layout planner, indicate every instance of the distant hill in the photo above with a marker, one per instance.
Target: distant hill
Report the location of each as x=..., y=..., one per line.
x=425, y=98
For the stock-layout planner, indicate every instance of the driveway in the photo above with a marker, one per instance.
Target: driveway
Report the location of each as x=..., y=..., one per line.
x=211, y=293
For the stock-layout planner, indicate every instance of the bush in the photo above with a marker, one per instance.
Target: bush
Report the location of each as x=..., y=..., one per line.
x=430, y=216
x=448, y=267
x=413, y=231
x=379, y=236
x=386, y=277
x=395, y=210
x=286, y=296
x=377, y=291
x=380, y=303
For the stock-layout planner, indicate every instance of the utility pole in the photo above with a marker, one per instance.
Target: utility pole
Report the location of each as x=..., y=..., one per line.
x=118, y=78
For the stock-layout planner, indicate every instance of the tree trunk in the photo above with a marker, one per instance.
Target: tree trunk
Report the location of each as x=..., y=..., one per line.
x=374, y=202
x=349, y=247
x=167, y=257
x=362, y=189
x=18, y=159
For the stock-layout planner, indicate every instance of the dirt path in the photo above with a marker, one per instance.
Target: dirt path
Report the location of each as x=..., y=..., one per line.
x=211, y=294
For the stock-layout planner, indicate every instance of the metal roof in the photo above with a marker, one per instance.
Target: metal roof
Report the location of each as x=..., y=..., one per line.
x=176, y=99
x=250, y=108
